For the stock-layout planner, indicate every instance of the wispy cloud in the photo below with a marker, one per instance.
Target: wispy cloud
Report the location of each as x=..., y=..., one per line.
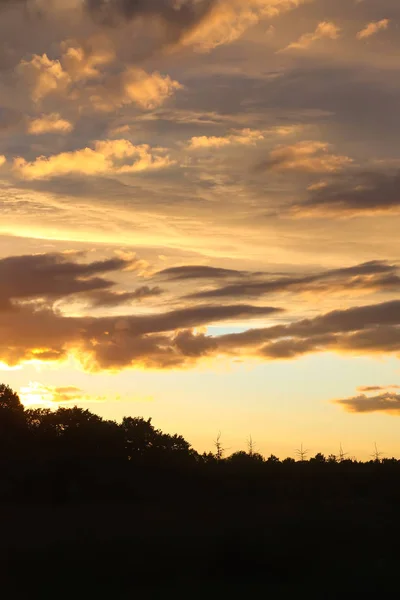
x=377, y=388
x=38, y=394
x=308, y=156
x=324, y=30
x=373, y=28
x=245, y=137
x=357, y=192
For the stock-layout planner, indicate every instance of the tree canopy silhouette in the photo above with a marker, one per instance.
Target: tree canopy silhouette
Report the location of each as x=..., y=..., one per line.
x=71, y=452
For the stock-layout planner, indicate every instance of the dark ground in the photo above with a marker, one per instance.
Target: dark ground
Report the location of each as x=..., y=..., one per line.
x=201, y=550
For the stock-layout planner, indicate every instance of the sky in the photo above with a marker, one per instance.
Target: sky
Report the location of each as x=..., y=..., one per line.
x=199, y=216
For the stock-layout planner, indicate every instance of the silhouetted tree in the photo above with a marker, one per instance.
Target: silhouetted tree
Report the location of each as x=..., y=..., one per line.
x=12, y=422
x=376, y=455
x=273, y=459
x=220, y=451
x=318, y=458
x=301, y=453
x=71, y=454
x=250, y=446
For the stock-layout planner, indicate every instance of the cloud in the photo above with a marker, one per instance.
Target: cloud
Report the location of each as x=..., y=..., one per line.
x=180, y=15
x=149, y=340
x=377, y=388
x=227, y=20
x=361, y=330
x=51, y=276
x=3, y=160
x=37, y=330
x=324, y=30
x=197, y=272
x=107, y=157
x=359, y=192
x=52, y=123
x=84, y=61
x=202, y=24
x=37, y=394
x=340, y=331
x=133, y=85
x=44, y=76
x=307, y=156
x=371, y=276
x=388, y=402
x=108, y=298
x=104, y=91
x=373, y=28
x=245, y=137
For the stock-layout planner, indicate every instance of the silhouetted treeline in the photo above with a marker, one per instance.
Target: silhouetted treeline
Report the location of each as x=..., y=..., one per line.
x=70, y=454
x=124, y=507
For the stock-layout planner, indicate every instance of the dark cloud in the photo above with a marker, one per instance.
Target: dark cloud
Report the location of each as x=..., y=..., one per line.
x=388, y=402
x=377, y=388
x=365, y=329
x=373, y=275
x=177, y=17
x=198, y=272
x=115, y=342
x=364, y=192
x=108, y=298
x=183, y=318
x=170, y=339
x=53, y=275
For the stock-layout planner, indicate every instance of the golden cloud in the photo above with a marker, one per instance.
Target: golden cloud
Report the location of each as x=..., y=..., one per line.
x=309, y=156
x=245, y=137
x=132, y=86
x=324, y=30
x=44, y=76
x=84, y=61
x=36, y=393
x=48, y=396
x=105, y=158
x=373, y=28
x=52, y=123
x=227, y=20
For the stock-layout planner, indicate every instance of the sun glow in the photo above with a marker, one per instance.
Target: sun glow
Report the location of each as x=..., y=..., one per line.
x=35, y=394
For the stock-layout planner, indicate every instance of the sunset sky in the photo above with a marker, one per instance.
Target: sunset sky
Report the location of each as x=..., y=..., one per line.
x=200, y=216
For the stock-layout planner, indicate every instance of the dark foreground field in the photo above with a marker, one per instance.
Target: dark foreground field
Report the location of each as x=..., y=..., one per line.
x=202, y=547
